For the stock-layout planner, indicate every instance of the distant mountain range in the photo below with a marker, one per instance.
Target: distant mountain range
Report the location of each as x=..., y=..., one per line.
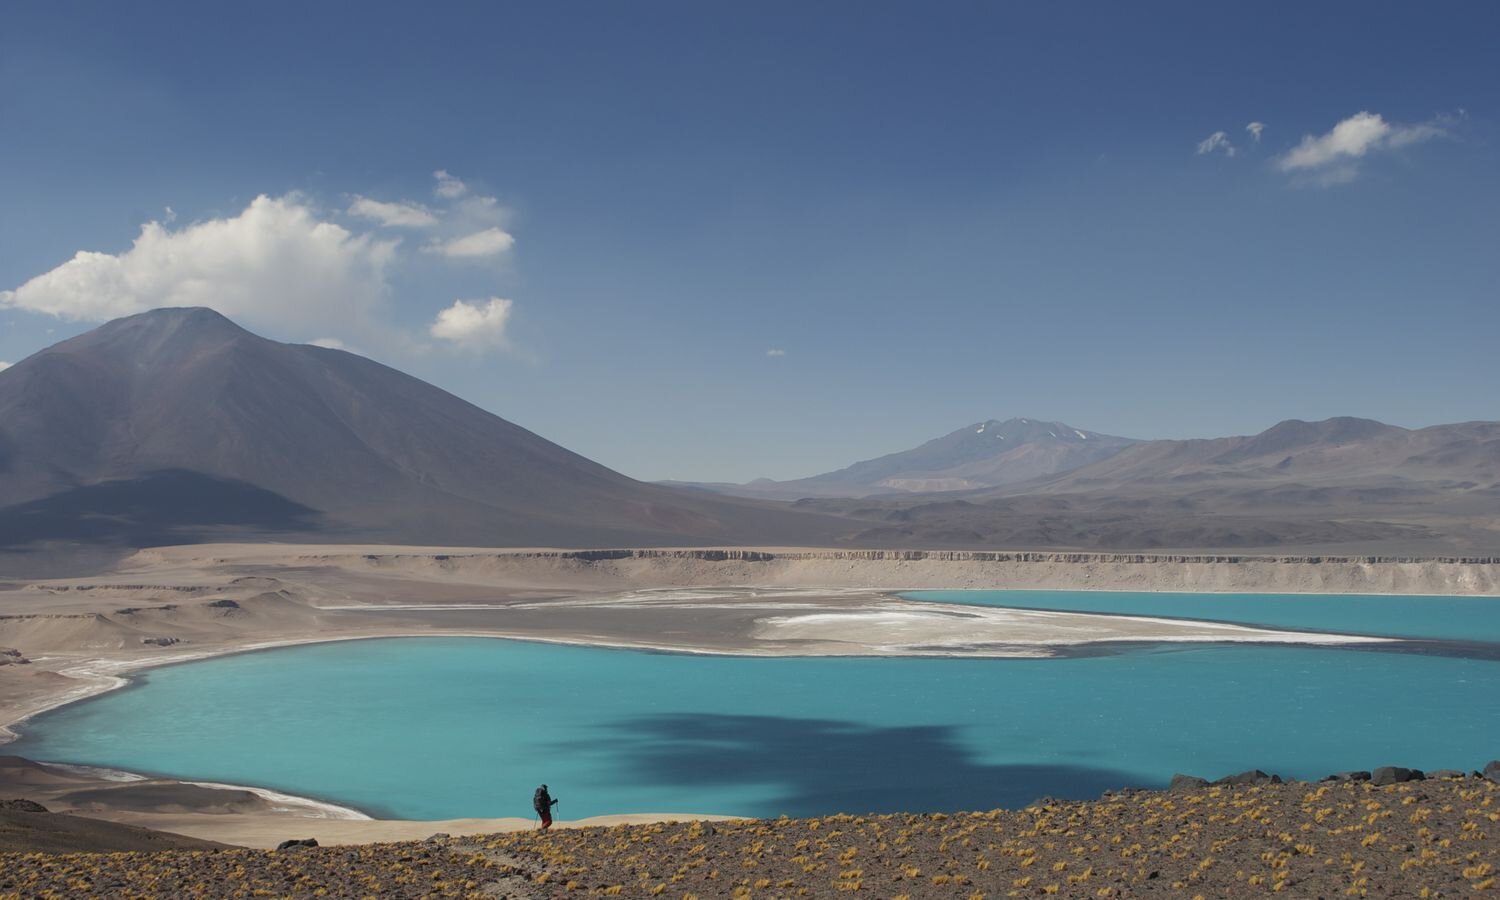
x=1316, y=487
x=1322, y=487
x=178, y=426
x=1341, y=451
x=985, y=454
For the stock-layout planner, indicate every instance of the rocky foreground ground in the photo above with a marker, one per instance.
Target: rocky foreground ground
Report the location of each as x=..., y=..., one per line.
x=1434, y=838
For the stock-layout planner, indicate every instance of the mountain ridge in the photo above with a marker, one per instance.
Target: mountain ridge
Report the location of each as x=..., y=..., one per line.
x=983, y=454
x=178, y=426
x=372, y=452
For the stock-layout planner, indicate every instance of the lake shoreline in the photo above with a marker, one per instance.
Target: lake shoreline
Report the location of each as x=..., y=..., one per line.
x=85, y=637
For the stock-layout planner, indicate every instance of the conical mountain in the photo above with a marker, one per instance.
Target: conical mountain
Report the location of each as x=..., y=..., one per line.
x=178, y=425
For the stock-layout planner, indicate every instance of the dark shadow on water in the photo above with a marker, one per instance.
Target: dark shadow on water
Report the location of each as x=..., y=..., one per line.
x=821, y=766
x=1486, y=650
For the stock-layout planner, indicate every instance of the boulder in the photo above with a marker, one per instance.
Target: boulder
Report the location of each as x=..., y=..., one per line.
x=1395, y=775
x=1348, y=776
x=295, y=844
x=1254, y=776
x=1186, y=784
x=22, y=805
x=1492, y=770
x=159, y=641
x=1445, y=773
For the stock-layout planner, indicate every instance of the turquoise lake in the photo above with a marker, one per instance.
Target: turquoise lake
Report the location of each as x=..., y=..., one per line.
x=1448, y=618
x=434, y=728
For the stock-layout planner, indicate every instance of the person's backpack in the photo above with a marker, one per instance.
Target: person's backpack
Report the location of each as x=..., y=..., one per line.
x=540, y=801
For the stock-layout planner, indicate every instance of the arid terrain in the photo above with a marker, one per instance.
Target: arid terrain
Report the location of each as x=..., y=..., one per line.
x=73, y=637
x=1435, y=838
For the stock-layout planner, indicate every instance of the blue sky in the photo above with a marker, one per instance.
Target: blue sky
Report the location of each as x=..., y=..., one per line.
x=938, y=212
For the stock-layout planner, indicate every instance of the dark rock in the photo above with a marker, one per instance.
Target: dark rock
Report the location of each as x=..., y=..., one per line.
x=1395, y=775
x=1254, y=776
x=159, y=641
x=10, y=656
x=223, y=604
x=1445, y=773
x=295, y=844
x=1348, y=776
x=22, y=805
x=1184, y=784
x=438, y=838
x=1491, y=770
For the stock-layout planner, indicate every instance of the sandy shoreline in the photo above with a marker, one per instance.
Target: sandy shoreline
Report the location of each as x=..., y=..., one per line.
x=167, y=606
x=230, y=814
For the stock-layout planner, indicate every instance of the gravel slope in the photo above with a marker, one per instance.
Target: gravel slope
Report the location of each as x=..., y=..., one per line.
x=1423, y=839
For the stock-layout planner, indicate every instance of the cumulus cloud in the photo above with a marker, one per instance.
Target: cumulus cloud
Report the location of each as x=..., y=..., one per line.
x=474, y=324
x=1334, y=158
x=776, y=351
x=275, y=263
x=292, y=268
x=448, y=187
x=1218, y=141
x=393, y=215
x=1255, y=128
x=488, y=242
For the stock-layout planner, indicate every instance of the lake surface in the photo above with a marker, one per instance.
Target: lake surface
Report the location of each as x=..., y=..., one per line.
x=430, y=728
x=1449, y=618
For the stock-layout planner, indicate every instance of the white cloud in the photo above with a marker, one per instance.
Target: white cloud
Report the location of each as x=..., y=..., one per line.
x=1255, y=128
x=395, y=215
x=291, y=269
x=333, y=343
x=276, y=263
x=448, y=187
x=4, y=365
x=776, y=351
x=1216, y=141
x=1334, y=158
x=478, y=245
x=473, y=324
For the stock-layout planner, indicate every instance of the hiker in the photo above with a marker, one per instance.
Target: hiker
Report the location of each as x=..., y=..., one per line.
x=542, y=802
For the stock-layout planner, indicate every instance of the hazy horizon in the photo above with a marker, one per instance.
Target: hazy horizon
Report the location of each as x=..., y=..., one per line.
x=713, y=246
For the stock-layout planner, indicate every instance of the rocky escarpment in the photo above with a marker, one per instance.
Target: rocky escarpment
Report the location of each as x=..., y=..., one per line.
x=931, y=569
x=726, y=555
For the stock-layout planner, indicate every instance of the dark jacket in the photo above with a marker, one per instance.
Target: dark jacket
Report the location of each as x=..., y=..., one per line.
x=542, y=801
